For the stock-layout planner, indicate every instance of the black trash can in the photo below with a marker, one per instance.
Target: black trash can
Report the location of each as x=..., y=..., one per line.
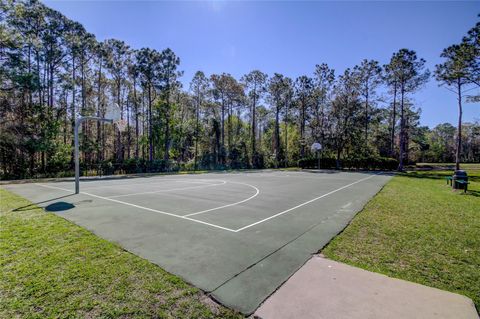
x=459, y=175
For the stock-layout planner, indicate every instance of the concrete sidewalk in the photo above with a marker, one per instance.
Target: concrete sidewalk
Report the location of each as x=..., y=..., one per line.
x=323, y=288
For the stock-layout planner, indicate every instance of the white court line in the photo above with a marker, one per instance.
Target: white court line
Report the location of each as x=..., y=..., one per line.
x=257, y=191
x=151, y=182
x=170, y=190
x=213, y=225
x=303, y=204
x=142, y=207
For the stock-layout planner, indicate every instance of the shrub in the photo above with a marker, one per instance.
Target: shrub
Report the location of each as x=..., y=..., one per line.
x=312, y=162
x=156, y=166
x=367, y=163
x=258, y=160
x=131, y=166
x=107, y=168
x=162, y=165
x=60, y=160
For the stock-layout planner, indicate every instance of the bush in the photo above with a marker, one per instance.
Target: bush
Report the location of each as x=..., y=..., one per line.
x=188, y=166
x=258, y=160
x=60, y=160
x=236, y=159
x=156, y=166
x=312, y=162
x=132, y=166
x=367, y=163
x=107, y=168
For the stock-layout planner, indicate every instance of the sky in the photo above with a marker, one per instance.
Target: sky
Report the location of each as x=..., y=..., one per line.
x=289, y=37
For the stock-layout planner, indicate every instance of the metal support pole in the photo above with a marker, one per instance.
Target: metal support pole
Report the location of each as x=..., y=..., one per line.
x=78, y=122
x=77, y=161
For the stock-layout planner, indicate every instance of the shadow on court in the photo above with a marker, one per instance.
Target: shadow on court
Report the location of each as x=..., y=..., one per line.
x=33, y=205
x=59, y=207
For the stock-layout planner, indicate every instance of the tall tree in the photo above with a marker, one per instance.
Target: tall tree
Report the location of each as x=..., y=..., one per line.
x=117, y=53
x=471, y=51
x=168, y=76
x=277, y=88
x=369, y=76
x=324, y=80
x=454, y=74
x=391, y=80
x=345, y=113
x=199, y=87
x=148, y=62
x=303, y=92
x=225, y=90
x=411, y=74
x=288, y=98
x=134, y=74
x=255, y=84
x=101, y=98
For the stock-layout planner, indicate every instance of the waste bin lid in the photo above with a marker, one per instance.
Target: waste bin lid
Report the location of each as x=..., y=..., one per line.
x=460, y=172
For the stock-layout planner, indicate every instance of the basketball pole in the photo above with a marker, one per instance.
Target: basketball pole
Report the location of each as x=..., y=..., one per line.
x=318, y=158
x=317, y=148
x=78, y=122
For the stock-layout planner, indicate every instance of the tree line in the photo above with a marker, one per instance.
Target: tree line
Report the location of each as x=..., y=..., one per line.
x=52, y=71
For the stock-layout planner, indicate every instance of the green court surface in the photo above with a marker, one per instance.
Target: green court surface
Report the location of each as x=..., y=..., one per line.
x=237, y=236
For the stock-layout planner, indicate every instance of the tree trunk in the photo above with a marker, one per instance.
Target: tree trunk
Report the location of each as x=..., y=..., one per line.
x=459, y=129
x=337, y=162
x=136, y=116
x=72, y=158
x=222, y=132
x=51, y=85
x=277, y=136
x=229, y=126
x=150, y=137
x=129, y=135
x=197, y=120
x=99, y=112
x=366, y=121
x=407, y=138
x=84, y=123
x=39, y=81
x=166, y=156
x=286, y=133
x=302, y=130
x=118, y=137
x=402, y=129
x=65, y=119
x=254, y=107
x=392, y=139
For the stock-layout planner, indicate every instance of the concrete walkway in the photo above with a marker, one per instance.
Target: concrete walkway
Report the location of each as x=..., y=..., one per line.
x=323, y=288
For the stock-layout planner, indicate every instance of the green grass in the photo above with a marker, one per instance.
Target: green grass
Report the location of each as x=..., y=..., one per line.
x=466, y=166
x=418, y=229
x=51, y=268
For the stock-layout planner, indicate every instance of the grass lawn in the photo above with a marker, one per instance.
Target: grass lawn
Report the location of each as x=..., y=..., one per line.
x=53, y=268
x=418, y=229
x=465, y=166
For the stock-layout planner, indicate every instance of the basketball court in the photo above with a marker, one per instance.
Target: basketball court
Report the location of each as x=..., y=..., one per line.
x=237, y=236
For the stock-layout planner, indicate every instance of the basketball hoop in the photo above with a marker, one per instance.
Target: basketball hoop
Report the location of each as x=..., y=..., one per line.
x=113, y=113
x=316, y=147
x=121, y=125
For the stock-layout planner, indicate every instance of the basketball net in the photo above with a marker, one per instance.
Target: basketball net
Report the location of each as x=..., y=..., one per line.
x=121, y=125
